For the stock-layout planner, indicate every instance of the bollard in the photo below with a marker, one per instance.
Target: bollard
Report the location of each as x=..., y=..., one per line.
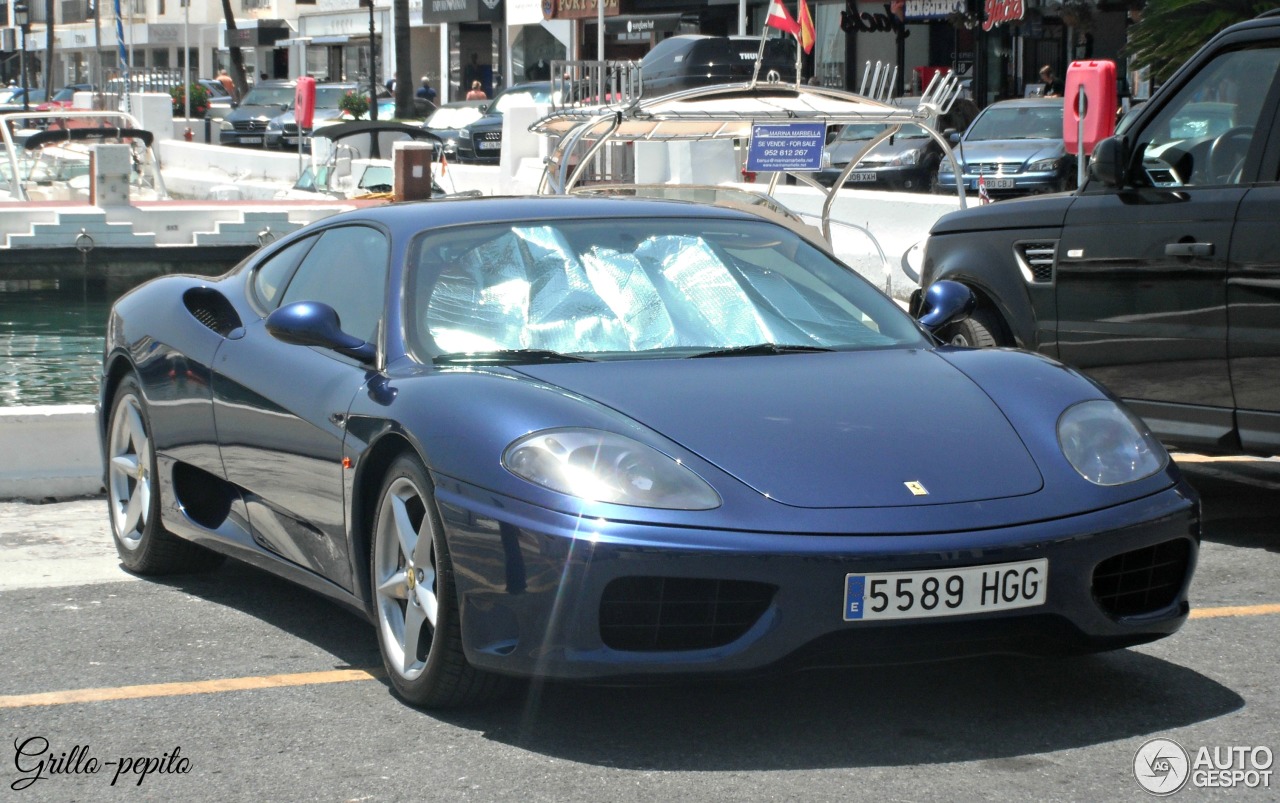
x=411, y=170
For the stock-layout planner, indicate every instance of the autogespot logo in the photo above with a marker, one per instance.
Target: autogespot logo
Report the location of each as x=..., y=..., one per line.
x=1161, y=766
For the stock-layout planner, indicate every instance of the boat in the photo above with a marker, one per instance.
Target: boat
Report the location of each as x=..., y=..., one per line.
x=352, y=160
x=53, y=163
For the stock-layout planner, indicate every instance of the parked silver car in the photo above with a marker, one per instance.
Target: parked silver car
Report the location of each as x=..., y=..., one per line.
x=1015, y=148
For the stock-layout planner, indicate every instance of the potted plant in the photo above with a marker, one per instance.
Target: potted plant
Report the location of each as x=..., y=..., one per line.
x=355, y=104
x=199, y=100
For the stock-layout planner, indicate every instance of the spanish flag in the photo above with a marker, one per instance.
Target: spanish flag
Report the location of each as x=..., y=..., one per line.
x=806, y=27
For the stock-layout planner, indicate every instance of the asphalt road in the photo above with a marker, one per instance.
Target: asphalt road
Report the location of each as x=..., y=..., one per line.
x=261, y=691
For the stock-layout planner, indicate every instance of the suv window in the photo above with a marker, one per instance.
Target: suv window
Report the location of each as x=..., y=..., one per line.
x=1203, y=134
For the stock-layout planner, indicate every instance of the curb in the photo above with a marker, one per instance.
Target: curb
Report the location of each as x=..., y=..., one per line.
x=52, y=452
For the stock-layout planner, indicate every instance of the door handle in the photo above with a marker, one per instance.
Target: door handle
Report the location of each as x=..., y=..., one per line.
x=1188, y=250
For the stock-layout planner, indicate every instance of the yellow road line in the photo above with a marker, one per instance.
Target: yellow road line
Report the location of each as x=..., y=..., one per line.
x=1235, y=610
x=177, y=689
x=347, y=675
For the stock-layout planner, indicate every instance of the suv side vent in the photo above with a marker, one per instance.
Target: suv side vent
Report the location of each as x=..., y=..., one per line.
x=212, y=309
x=1036, y=259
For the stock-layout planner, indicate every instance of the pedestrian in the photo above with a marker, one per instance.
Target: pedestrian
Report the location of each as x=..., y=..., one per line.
x=477, y=92
x=226, y=82
x=427, y=91
x=1052, y=86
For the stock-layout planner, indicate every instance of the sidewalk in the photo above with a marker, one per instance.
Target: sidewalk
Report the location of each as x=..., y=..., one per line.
x=59, y=544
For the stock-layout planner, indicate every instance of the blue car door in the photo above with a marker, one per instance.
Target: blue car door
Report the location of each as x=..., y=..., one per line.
x=281, y=409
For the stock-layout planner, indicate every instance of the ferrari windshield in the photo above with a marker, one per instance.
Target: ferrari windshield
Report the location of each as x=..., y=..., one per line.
x=639, y=287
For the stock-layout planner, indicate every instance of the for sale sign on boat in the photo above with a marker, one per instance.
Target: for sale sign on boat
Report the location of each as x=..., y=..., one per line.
x=794, y=147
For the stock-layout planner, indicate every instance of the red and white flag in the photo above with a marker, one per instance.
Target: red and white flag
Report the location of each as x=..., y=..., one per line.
x=781, y=19
x=983, y=198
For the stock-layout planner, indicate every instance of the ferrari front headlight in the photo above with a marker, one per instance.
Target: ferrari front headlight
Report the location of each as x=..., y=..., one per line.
x=1107, y=444
x=607, y=467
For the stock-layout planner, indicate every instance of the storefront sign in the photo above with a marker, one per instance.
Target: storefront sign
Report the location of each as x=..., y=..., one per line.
x=642, y=25
x=933, y=9
x=854, y=21
x=265, y=34
x=164, y=34
x=1002, y=11
x=578, y=9
x=524, y=12
x=435, y=12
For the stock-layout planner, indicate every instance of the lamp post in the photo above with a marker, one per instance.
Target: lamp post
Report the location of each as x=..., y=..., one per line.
x=373, y=64
x=188, y=134
x=22, y=18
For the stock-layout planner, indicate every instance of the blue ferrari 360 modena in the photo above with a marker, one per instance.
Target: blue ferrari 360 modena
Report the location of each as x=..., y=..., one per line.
x=625, y=439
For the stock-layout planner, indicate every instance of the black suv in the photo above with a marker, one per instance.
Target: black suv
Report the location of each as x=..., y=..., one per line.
x=1160, y=277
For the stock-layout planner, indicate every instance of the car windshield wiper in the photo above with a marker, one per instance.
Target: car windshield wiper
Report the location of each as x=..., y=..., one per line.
x=506, y=357
x=760, y=348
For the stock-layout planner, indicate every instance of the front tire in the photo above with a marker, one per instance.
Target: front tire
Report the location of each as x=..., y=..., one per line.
x=133, y=494
x=419, y=635
x=982, y=329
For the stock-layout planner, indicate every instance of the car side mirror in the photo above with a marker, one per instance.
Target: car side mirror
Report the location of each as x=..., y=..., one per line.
x=952, y=135
x=312, y=323
x=1109, y=163
x=945, y=302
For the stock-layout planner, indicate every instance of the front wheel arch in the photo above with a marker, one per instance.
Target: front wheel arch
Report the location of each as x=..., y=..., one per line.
x=984, y=328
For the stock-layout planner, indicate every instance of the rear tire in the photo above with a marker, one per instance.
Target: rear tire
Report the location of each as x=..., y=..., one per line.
x=133, y=494
x=414, y=598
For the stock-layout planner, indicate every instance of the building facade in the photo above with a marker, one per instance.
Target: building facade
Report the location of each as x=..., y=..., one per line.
x=996, y=46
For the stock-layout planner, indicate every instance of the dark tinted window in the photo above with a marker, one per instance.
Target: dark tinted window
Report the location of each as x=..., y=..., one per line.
x=347, y=269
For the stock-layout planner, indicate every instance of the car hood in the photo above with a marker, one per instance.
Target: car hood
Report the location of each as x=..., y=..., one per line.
x=1010, y=150
x=1041, y=212
x=842, y=152
x=489, y=121
x=254, y=112
x=828, y=430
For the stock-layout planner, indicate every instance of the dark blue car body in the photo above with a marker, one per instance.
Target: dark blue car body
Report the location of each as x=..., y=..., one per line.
x=274, y=453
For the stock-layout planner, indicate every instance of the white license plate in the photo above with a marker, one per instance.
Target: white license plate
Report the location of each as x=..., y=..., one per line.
x=862, y=176
x=1000, y=184
x=251, y=140
x=485, y=145
x=945, y=592
x=291, y=140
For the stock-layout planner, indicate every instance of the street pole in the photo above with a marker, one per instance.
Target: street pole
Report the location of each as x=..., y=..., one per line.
x=373, y=65
x=22, y=16
x=188, y=135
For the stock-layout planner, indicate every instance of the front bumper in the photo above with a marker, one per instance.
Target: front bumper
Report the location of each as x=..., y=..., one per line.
x=1005, y=184
x=253, y=139
x=909, y=177
x=531, y=584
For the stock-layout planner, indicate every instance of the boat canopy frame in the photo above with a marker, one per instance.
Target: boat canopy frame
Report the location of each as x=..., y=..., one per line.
x=728, y=112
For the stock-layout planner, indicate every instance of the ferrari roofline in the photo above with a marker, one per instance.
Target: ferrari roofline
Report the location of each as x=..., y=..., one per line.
x=498, y=209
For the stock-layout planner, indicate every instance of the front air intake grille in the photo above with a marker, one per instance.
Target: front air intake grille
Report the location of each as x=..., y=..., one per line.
x=1038, y=260
x=1144, y=580
x=646, y=614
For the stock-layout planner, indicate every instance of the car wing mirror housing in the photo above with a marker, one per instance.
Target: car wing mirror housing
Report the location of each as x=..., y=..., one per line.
x=1110, y=161
x=945, y=302
x=312, y=323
